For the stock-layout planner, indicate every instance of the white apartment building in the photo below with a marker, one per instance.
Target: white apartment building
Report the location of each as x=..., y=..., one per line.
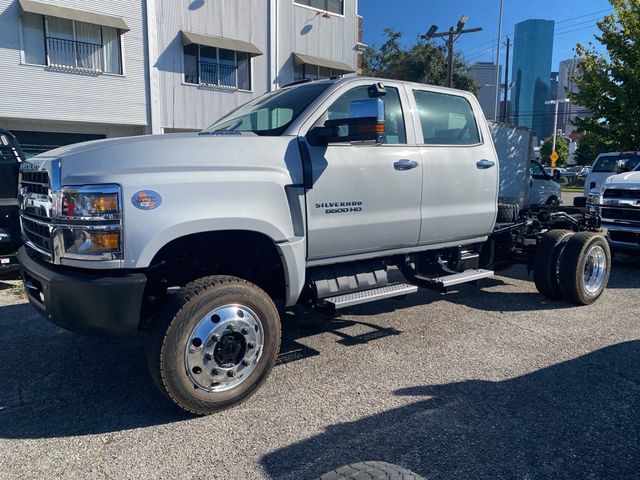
x=566, y=83
x=74, y=70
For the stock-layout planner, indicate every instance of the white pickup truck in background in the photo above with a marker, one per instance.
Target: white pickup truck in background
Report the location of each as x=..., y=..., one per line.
x=618, y=204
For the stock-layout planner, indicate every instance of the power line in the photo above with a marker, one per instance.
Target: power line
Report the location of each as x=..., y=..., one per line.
x=556, y=34
x=566, y=20
x=569, y=19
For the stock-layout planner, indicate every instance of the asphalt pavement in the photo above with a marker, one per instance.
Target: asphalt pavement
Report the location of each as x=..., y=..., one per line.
x=486, y=382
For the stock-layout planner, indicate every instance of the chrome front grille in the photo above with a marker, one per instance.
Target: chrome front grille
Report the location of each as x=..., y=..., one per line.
x=35, y=182
x=621, y=194
x=36, y=203
x=621, y=205
x=621, y=214
x=38, y=233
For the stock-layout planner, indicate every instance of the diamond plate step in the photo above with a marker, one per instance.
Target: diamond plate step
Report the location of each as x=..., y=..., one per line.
x=447, y=281
x=357, y=298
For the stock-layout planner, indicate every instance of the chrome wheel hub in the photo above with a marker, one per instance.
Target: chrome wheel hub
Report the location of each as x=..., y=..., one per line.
x=595, y=269
x=224, y=348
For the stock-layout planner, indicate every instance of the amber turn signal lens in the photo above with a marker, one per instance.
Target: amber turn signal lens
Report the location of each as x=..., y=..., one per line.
x=106, y=241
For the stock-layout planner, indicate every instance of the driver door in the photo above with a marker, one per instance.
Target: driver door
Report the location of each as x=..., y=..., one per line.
x=365, y=197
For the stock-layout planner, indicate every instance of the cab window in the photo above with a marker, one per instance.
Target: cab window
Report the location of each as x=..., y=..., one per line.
x=446, y=119
x=537, y=171
x=611, y=163
x=393, y=117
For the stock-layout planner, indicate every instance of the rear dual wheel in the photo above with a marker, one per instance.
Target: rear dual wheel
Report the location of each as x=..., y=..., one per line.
x=585, y=266
x=573, y=266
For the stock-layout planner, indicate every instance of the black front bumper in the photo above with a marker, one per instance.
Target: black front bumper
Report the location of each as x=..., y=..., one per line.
x=95, y=303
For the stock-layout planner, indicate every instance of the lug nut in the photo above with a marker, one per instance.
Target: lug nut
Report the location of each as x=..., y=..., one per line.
x=207, y=356
x=231, y=328
x=245, y=363
x=251, y=345
x=231, y=374
x=244, y=331
x=215, y=337
x=215, y=372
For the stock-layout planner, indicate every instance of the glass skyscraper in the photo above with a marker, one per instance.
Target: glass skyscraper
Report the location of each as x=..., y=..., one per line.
x=532, y=57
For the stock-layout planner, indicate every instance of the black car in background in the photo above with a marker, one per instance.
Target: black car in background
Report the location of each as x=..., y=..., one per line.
x=11, y=156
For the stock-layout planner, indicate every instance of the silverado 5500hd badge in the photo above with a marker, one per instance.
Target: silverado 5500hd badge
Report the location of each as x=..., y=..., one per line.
x=340, y=207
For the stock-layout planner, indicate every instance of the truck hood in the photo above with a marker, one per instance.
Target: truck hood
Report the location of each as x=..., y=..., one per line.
x=624, y=179
x=103, y=161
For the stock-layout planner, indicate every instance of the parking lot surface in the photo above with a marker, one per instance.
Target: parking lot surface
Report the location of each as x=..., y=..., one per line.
x=486, y=382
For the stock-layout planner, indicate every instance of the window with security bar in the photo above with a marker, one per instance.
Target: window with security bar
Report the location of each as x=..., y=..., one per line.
x=69, y=44
x=217, y=67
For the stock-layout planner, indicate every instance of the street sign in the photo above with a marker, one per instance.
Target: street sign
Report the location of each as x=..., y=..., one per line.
x=554, y=159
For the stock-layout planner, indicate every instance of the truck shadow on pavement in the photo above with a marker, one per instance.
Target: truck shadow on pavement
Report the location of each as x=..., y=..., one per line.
x=575, y=419
x=56, y=383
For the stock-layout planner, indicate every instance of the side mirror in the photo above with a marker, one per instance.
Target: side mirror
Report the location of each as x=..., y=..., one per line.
x=556, y=174
x=364, y=123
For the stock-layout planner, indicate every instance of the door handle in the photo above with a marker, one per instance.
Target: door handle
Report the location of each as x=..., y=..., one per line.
x=484, y=164
x=405, y=165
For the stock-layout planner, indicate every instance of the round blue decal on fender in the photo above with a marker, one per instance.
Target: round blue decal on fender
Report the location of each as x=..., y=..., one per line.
x=146, y=200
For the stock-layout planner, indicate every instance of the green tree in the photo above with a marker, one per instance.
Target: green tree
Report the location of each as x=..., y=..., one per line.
x=561, y=147
x=589, y=146
x=422, y=62
x=609, y=85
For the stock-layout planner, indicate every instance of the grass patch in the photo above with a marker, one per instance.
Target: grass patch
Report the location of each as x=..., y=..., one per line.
x=573, y=189
x=18, y=290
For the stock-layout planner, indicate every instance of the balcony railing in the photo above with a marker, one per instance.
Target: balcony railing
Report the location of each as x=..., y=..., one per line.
x=74, y=55
x=218, y=75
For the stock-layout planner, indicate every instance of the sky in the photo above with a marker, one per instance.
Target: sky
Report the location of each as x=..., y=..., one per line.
x=575, y=22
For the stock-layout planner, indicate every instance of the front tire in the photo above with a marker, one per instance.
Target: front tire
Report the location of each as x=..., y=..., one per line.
x=215, y=345
x=585, y=266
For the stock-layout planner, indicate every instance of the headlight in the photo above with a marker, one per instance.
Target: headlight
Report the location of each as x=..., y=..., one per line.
x=100, y=202
x=88, y=223
x=593, y=203
x=593, y=199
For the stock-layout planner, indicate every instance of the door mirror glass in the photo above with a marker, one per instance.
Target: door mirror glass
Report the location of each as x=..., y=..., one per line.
x=365, y=122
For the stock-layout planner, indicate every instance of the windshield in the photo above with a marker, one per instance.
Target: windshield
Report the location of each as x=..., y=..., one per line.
x=609, y=164
x=272, y=113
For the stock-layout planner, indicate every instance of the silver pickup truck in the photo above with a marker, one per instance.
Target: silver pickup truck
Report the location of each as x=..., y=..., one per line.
x=327, y=194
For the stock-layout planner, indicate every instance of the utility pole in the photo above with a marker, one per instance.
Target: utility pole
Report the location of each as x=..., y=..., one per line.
x=451, y=36
x=505, y=109
x=450, y=41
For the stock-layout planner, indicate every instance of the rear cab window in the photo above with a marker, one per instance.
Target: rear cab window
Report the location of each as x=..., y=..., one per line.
x=610, y=163
x=446, y=119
